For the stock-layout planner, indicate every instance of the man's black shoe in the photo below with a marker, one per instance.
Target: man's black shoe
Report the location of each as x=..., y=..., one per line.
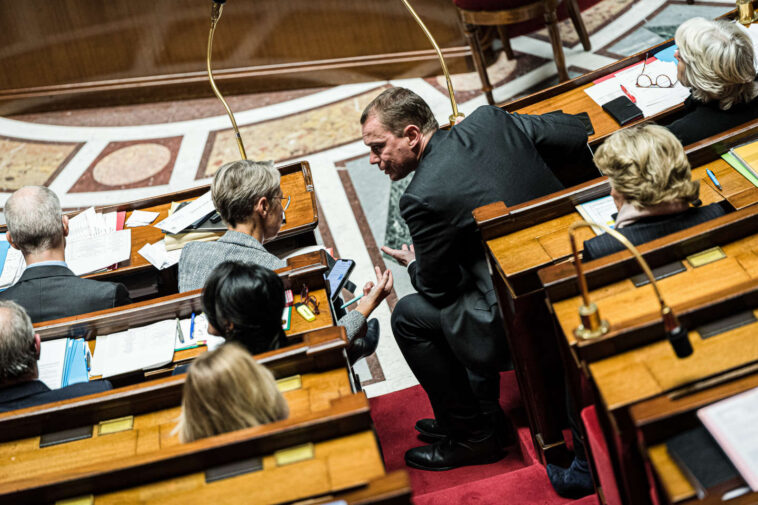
x=448, y=454
x=366, y=346
x=572, y=482
x=430, y=429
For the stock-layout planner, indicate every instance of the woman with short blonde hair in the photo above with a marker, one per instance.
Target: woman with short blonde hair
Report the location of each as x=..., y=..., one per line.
x=227, y=390
x=651, y=185
x=716, y=60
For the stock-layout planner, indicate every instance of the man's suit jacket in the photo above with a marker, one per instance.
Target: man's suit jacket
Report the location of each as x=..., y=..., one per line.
x=703, y=120
x=491, y=156
x=35, y=392
x=650, y=228
x=198, y=260
x=52, y=291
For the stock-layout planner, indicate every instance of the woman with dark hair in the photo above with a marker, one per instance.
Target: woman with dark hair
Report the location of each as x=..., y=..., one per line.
x=244, y=303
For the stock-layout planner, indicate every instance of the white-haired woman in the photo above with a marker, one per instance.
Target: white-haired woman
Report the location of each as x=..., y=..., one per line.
x=717, y=62
x=651, y=185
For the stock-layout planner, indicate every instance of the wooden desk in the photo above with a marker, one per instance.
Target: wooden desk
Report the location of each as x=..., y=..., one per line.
x=349, y=415
x=142, y=279
x=570, y=97
x=522, y=239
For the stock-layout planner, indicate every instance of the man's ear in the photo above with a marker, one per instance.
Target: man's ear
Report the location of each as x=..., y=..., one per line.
x=413, y=134
x=64, y=220
x=10, y=239
x=37, y=345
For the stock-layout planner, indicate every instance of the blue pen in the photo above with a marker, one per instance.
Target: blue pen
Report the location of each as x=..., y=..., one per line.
x=713, y=179
x=347, y=304
x=192, y=325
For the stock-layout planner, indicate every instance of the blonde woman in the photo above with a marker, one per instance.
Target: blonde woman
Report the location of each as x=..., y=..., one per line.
x=227, y=390
x=717, y=62
x=651, y=185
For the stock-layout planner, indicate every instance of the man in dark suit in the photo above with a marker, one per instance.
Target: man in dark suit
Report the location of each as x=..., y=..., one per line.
x=19, y=352
x=48, y=289
x=451, y=332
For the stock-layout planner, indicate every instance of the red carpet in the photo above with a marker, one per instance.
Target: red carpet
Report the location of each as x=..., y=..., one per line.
x=517, y=479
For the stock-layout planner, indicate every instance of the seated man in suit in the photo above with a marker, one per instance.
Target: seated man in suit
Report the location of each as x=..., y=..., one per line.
x=48, y=289
x=652, y=188
x=716, y=61
x=450, y=332
x=249, y=199
x=19, y=352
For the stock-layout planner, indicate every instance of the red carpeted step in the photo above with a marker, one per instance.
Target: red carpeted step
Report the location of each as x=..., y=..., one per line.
x=395, y=415
x=527, y=486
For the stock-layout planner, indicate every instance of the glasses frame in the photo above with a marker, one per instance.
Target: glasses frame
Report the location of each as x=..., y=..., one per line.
x=309, y=300
x=653, y=83
x=285, y=205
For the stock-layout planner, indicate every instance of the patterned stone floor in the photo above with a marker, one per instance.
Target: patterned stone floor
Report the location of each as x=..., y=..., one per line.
x=103, y=156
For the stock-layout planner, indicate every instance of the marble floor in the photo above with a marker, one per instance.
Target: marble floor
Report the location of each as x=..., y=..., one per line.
x=104, y=156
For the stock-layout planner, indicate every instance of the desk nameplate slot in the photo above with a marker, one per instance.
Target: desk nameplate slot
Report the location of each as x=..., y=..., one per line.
x=728, y=323
x=233, y=469
x=115, y=425
x=61, y=437
x=659, y=273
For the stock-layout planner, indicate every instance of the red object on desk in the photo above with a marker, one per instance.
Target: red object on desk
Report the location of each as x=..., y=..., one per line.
x=629, y=95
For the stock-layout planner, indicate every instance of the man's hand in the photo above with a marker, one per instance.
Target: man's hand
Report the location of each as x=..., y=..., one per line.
x=373, y=294
x=403, y=256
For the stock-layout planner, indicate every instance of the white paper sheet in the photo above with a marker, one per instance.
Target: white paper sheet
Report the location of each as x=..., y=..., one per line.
x=599, y=211
x=90, y=254
x=604, y=92
x=140, y=348
x=50, y=364
x=141, y=218
x=651, y=101
x=13, y=268
x=158, y=256
x=734, y=424
x=188, y=214
x=82, y=225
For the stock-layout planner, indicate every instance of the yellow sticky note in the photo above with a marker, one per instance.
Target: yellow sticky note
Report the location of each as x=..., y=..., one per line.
x=289, y=383
x=79, y=500
x=115, y=425
x=705, y=257
x=294, y=454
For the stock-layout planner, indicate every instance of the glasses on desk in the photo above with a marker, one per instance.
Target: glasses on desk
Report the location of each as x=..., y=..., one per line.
x=308, y=299
x=285, y=201
x=646, y=80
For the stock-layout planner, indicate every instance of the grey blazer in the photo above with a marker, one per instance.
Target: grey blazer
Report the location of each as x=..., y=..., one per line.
x=198, y=260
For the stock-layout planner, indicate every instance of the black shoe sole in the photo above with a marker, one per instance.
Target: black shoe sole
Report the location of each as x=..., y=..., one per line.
x=486, y=461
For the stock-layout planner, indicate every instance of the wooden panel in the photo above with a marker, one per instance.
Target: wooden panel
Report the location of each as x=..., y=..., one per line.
x=675, y=484
x=158, y=49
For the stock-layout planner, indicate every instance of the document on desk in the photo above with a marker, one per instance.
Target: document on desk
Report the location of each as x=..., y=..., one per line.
x=600, y=210
x=52, y=358
x=13, y=266
x=182, y=218
x=158, y=256
x=140, y=348
x=90, y=254
x=734, y=424
x=141, y=218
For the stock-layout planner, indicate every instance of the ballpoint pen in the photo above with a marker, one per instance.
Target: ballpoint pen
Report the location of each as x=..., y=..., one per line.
x=179, y=331
x=192, y=325
x=628, y=95
x=347, y=304
x=713, y=179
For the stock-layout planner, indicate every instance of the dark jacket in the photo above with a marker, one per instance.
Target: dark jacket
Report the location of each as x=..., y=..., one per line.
x=702, y=120
x=35, y=392
x=51, y=292
x=650, y=228
x=491, y=156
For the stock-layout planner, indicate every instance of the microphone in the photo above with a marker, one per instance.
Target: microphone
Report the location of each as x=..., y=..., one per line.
x=676, y=334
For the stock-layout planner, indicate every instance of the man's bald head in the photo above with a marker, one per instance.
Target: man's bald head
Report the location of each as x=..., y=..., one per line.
x=34, y=218
x=18, y=348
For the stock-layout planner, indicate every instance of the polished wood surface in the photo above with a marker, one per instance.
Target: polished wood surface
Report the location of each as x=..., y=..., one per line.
x=133, y=51
x=320, y=351
x=348, y=415
x=151, y=432
x=338, y=465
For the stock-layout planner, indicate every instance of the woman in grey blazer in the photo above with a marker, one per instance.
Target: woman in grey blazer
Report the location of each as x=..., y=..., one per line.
x=248, y=196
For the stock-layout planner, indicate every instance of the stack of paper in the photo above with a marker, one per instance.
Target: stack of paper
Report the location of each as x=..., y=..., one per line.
x=140, y=348
x=182, y=218
x=744, y=159
x=650, y=100
x=141, y=218
x=12, y=263
x=158, y=256
x=601, y=211
x=63, y=362
x=94, y=244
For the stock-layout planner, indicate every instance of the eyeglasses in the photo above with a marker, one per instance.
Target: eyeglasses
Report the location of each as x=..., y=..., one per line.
x=308, y=300
x=286, y=203
x=646, y=81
